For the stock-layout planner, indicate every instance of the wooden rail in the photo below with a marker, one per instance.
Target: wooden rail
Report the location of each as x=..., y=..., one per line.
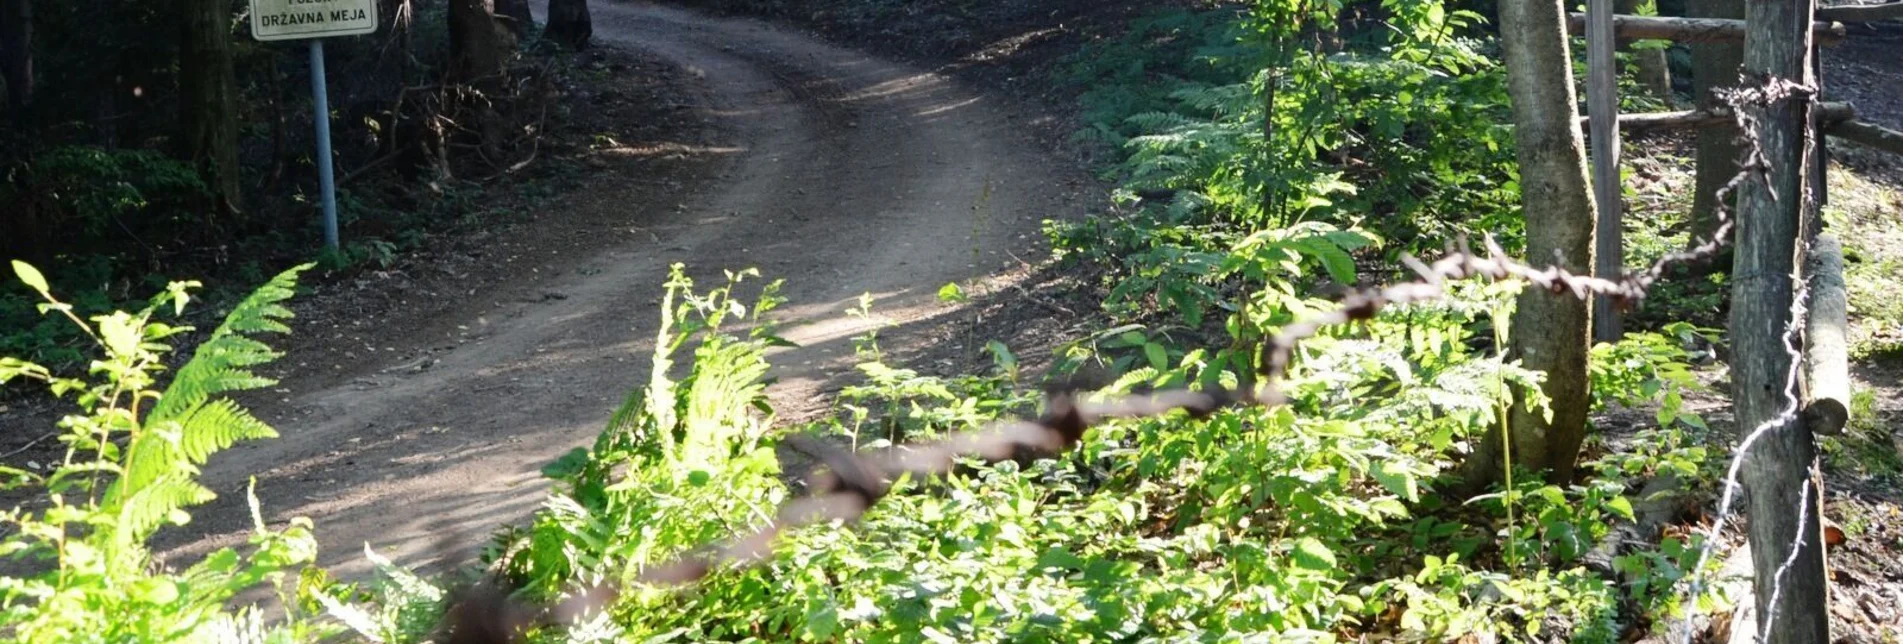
x=1861, y=12
x=1867, y=133
x=1839, y=121
x=1826, y=342
x=1829, y=113
x=1692, y=30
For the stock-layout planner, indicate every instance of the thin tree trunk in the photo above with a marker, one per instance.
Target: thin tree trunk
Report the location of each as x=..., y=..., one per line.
x=16, y=57
x=1785, y=533
x=1649, y=63
x=1714, y=66
x=208, y=99
x=475, y=47
x=569, y=23
x=516, y=14
x=1548, y=334
x=278, y=146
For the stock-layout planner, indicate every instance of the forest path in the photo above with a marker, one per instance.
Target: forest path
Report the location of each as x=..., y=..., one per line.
x=842, y=173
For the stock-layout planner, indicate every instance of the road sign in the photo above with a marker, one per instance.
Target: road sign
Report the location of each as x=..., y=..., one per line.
x=315, y=20
x=297, y=19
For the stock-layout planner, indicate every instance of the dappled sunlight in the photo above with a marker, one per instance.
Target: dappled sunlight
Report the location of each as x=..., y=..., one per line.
x=941, y=109
x=897, y=87
x=662, y=149
x=1010, y=46
x=811, y=324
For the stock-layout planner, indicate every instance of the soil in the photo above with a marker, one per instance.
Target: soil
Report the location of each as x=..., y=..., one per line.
x=1866, y=70
x=419, y=434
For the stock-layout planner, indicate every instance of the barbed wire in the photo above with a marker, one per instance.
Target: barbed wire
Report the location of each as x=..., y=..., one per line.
x=1765, y=92
x=854, y=482
x=1797, y=546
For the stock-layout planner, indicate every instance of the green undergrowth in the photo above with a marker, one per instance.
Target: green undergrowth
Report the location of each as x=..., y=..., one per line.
x=1318, y=519
x=1267, y=158
x=78, y=565
x=1384, y=139
x=1322, y=519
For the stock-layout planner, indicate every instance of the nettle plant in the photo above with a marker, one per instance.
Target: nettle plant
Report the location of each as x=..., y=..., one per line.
x=130, y=468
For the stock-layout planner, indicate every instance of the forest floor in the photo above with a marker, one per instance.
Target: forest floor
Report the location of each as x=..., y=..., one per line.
x=420, y=430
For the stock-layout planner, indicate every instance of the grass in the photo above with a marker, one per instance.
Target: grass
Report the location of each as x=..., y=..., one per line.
x=1867, y=447
x=1864, y=214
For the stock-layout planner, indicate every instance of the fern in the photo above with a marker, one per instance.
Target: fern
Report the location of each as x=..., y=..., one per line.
x=187, y=426
x=642, y=486
x=728, y=378
x=99, y=583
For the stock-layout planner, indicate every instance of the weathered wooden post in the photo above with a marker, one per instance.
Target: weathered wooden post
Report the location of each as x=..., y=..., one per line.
x=1785, y=535
x=1602, y=113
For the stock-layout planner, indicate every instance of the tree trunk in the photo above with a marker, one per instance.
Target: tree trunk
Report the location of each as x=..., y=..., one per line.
x=1714, y=66
x=475, y=47
x=569, y=23
x=1653, y=74
x=1549, y=333
x=16, y=57
x=516, y=14
x=208, y=99
x=1785, y=534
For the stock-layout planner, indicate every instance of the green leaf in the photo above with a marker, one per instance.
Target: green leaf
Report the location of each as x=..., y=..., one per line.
x=950, y=292
x=1397, y=479
x=181, y=294
x=1059, y=558
x=1620, y=506
x=32, y=277
x=1311, y=554
x=1002, y=355
x=1388, y=507
x=823, y=623
x=156, y=590
x=1157, y=356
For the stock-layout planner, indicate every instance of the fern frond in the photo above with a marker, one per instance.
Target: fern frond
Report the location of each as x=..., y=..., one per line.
x=185, y=428
x=1157, y=121
x=149, y=507
x=727, y=378
x=151, y=455
x=217, y=425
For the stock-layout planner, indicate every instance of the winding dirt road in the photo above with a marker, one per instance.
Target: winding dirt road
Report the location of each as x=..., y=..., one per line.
x=843, y=174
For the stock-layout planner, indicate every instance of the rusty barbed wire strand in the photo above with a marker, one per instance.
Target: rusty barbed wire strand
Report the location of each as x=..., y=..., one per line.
x=853, y=483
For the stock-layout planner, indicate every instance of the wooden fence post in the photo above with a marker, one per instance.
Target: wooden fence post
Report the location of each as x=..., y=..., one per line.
x=1602, y=113
x=1785, y=508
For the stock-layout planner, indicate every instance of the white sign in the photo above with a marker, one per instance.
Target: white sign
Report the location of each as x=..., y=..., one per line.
x=296, y=19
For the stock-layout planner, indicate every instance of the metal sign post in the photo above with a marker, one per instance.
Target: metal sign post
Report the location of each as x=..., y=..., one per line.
x=320, y=105
x=315, y=20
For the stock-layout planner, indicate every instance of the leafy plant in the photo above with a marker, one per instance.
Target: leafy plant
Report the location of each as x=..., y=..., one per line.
x=673, y=442
x=130, y=469
x=1650, y=368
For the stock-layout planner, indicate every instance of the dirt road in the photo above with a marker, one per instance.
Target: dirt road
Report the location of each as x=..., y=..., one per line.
x=843, y=174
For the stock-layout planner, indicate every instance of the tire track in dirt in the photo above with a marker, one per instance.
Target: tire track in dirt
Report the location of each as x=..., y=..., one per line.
x=844, y=174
